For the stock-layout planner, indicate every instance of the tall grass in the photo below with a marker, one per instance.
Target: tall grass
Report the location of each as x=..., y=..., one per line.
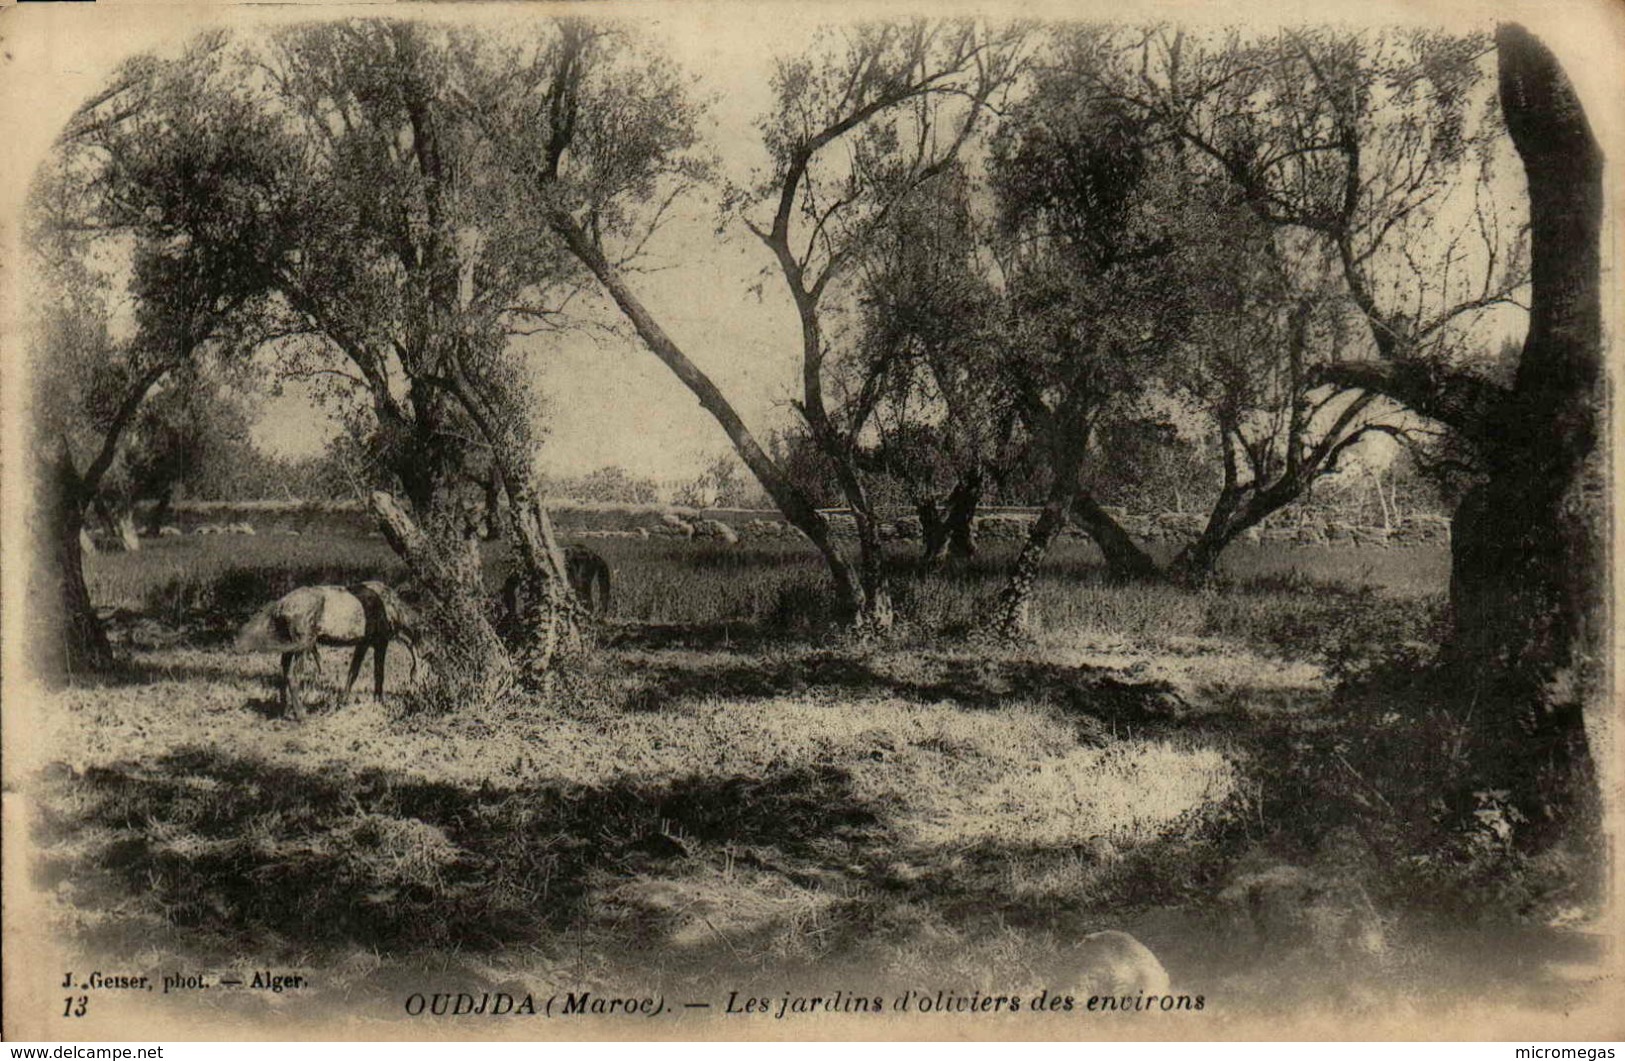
x=182, y=579
x=1303, y=601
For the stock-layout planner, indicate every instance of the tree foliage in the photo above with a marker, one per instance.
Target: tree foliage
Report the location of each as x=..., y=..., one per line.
x=166, y=194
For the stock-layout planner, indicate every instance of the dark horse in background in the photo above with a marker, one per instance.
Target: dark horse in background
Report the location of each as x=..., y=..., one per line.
x=589, y=581
x=367, y=615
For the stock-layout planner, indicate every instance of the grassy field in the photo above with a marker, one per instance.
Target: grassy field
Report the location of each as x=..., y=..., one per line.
x=663, y=581
x=735, y=796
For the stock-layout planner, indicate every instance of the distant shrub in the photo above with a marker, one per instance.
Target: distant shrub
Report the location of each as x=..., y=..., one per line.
x=804, y=609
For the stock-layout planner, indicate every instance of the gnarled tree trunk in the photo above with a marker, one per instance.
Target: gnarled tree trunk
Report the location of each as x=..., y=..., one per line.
x=1124, y=557
x=552, y=619
x=1012, y=617
x=68, y=639
x=1528, y=572
x=470, y=663
x=961, y=518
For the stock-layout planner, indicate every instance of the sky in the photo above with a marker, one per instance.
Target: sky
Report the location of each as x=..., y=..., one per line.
x=611, y=401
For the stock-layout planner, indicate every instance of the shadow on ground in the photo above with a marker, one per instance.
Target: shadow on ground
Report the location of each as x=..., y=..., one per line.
x=984, y=684
x=739, y=634
x=792, y=872
x=237, y=846
x=139, y=672
x=704, y=873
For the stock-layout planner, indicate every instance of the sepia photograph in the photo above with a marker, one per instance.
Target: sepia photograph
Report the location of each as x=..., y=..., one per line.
x=700, y=521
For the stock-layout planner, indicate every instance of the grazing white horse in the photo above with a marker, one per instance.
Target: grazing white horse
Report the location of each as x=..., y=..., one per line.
x=365, y=615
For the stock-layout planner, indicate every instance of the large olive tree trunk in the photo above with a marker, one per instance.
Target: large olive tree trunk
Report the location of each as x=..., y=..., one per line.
x=67, y=638
x=1528, y=574
x=553, y=620
x=70, y=639
x=1528, y=551
x=470, y=663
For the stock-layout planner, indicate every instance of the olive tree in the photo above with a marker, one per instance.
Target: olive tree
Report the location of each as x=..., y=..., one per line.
x=167, y=192
x=863, y=120
x=418, y=272
x=1376, y=149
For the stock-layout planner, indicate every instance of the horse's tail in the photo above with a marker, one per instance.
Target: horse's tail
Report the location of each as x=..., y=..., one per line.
x=288, y=625
x=270, y=631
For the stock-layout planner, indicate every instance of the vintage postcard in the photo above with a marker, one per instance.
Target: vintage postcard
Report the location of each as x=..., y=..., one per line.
x=693, y=520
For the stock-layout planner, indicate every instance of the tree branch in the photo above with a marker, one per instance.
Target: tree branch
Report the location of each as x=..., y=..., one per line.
x=90, y=482
x=1463, y=402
